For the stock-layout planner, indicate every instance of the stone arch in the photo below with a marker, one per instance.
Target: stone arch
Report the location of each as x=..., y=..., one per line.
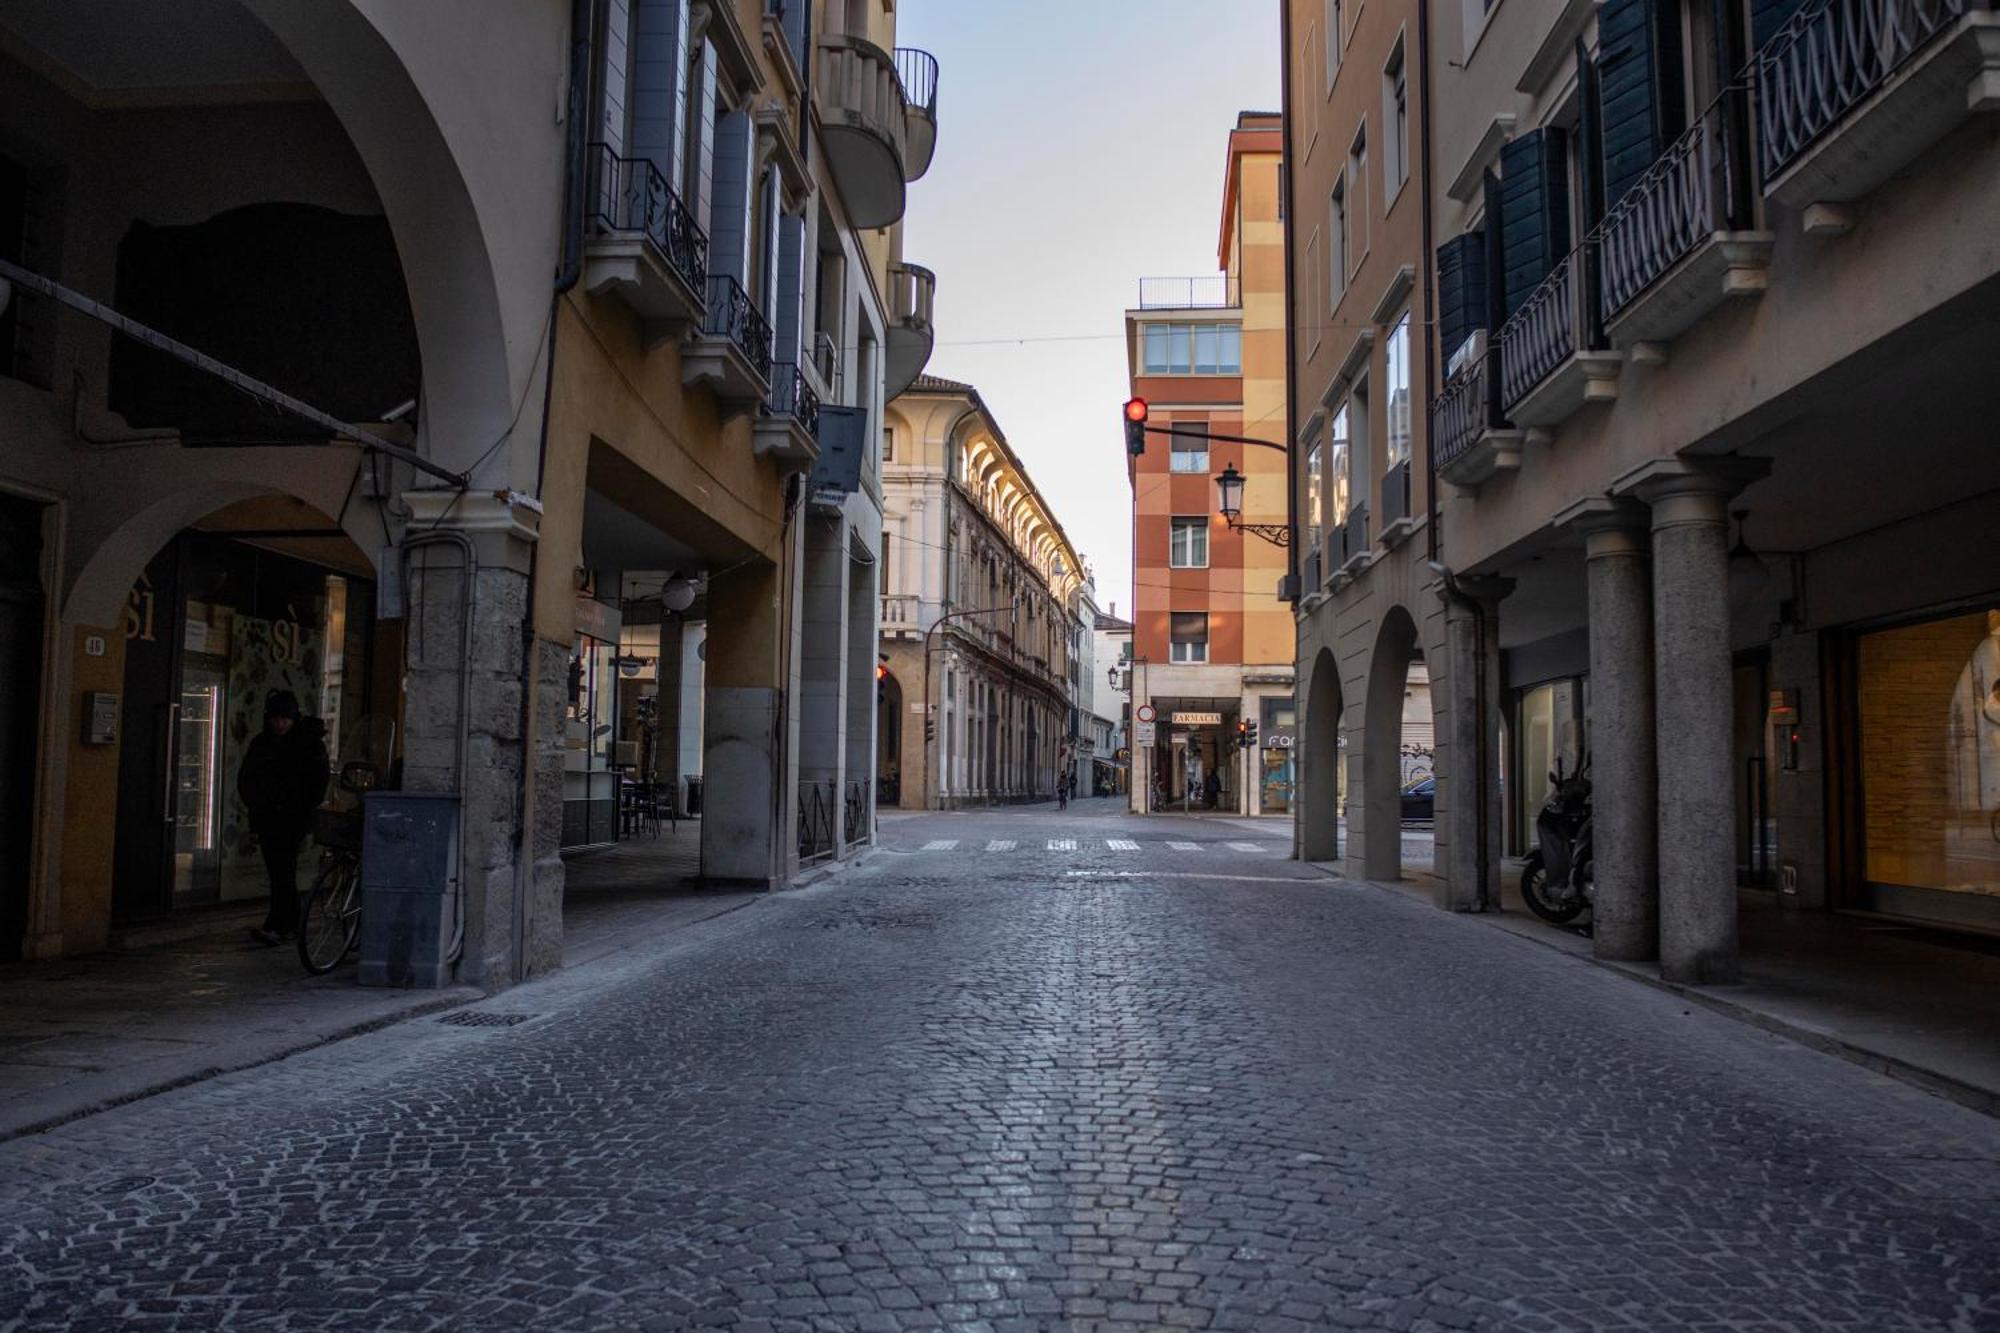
x=1319, y=761
x=479, y=351
x=1378, y=833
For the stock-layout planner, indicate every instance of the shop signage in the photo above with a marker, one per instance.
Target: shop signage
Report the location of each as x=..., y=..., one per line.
x=1279, y=740
x=598, y=620
x=1148, y=713
x=1197, y=719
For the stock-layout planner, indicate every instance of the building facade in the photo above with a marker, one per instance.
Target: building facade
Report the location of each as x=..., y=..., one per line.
x=1111, y=701
x=492, y=580
x=1712, y=448
x=1372, y=627
x=1212, y=643
x=982, y=614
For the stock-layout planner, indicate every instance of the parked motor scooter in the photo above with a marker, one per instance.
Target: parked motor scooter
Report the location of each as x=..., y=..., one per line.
x=1558, y=878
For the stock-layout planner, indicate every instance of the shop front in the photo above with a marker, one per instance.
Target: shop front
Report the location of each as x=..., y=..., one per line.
x=590, y=776
x=212, y=627
x=1925, y=699
x=1276, y=740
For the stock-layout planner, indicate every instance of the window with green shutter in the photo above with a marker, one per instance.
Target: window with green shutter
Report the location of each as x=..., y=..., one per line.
x=1641, y=102
x=1461, y=277
x=1534, y=211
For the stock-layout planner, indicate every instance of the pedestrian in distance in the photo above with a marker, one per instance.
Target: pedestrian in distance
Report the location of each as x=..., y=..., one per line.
x=1211, y=790
x=282, y=781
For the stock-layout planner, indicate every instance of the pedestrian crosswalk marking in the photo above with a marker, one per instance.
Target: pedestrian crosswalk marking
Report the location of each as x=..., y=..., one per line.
x=1246, y=846
x=1062, y=844
x=1185, y=846
x=1121, y=844
x=940, y=844
x=1000, y=845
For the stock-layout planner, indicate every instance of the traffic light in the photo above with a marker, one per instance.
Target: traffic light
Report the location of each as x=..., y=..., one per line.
x=930, y=730
x=1242, y=735
x=1135, y=426
x=881, y=674
x=1249, y=735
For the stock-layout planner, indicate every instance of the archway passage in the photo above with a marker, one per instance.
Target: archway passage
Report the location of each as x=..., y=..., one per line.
x=1379, y=829
x=1319, y=760
x=888, y=740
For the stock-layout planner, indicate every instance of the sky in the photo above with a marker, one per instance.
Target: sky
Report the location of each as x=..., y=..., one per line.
x=1080, y=147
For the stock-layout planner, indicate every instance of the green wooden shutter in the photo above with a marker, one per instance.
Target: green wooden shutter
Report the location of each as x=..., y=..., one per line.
x=1461, y=270
x=1639, y=88
x=1534, y=211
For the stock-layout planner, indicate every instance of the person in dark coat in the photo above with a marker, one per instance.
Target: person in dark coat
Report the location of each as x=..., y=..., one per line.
x=282, y=781
x=1211, y=789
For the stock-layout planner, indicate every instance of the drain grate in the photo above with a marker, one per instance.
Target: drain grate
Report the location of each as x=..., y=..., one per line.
x=483, y=1020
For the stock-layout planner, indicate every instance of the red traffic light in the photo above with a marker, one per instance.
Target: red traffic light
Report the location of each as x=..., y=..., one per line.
x=881, y=671
x=1135, y=409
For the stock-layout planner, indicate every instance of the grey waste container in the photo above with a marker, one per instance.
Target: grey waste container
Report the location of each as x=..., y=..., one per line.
x=409, y=887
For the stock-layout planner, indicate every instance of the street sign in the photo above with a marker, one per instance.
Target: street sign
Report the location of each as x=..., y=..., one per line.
x=1144, y=733
x=1197, y=719
x=1148, y=713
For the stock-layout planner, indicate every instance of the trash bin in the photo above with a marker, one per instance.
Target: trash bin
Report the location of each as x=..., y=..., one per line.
x=409, y=887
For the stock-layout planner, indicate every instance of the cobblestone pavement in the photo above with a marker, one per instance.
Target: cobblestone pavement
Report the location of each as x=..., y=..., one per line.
x=1088, y=1080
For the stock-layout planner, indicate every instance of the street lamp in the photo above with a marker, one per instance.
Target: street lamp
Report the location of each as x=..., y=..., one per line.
x=1229, y=485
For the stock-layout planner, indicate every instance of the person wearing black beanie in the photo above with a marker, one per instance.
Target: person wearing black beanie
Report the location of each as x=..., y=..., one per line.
x=282, y=780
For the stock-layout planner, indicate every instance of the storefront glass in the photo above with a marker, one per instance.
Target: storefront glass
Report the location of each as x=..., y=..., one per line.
x=1929, y=701
x=1276, y=735
x=1549, y=731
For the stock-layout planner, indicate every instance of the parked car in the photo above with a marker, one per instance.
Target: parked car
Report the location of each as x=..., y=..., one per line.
x=1419, y=799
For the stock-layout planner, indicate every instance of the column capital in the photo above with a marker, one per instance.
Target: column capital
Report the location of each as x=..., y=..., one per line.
x=1610, y=525
x=1713, y=478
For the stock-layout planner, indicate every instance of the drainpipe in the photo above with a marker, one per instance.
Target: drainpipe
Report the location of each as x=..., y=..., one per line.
x=1287, y=200
x=1448, y=587
x=568, y=270
x=1426, y=268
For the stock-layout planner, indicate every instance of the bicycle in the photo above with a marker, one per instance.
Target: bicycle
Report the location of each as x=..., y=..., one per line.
x=330, y=917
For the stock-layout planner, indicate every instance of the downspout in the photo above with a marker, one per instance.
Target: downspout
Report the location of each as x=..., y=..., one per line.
x=1428, y=268
x=1286, y=200
x=568, y=270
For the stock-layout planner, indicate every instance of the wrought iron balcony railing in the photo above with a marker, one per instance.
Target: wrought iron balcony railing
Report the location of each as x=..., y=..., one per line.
x=1674, y=207
x=733, y=315
x=1461, y=413
x=917, y=71
x=1212, y=291
x=791, y=396
x=628, y=194
x=1541, y=334
x=1829, y=58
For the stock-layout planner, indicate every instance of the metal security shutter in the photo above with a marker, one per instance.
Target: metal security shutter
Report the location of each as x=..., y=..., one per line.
x=1461, y=269
x=1639, y=88
x=1767, y=16
x=1534, y=212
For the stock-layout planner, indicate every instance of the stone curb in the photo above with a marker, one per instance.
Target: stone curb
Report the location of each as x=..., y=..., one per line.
x=1969, y=1095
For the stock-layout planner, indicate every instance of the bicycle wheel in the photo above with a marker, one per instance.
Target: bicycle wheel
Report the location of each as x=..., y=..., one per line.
x=331, y=918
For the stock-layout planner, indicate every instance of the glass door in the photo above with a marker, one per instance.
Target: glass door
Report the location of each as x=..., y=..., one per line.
x=198, y=783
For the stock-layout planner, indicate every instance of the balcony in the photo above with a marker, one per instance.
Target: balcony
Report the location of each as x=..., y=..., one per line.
x=899, y=615
x=1468, y=445
x=732, y=353
x=1850, y=91
x=1210, y=291
x=1668, y=250
x=1545, y=375
x=642, y=244
x=912, y=289
x=918, y=71
x=865, y=128
x=788, y=427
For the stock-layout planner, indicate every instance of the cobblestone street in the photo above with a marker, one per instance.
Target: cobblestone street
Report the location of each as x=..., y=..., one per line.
x=1030, y=1070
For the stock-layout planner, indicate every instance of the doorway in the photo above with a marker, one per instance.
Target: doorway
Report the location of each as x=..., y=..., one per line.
x=22, y=606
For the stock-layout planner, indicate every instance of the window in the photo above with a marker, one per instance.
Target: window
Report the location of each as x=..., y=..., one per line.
x=1315, y=508
x=1337, y=463
x=1189, y=455
x=1357, y=202
x=1398, y=358
x=1395, y=123
x=1332, y=42
x=1193, y=349
x=1337, y=231
x=1188, y=631
x=1188, y=548
x=888, y=444
x=887, y=538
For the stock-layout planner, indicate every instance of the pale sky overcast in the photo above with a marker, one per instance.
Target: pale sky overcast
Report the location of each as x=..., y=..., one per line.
x=1080, y=147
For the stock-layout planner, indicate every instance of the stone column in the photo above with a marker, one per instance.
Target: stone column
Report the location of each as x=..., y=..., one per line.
x=1623, y=776
x=863, y=649
x=1465, y=695
x=746, y=808
x=1697, y=856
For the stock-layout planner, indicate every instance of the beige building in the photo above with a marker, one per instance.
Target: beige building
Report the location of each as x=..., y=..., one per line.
x=983, y=601
x=388, y=222
x=1717, y=298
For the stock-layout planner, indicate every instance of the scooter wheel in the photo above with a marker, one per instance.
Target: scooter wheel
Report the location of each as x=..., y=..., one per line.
x=1535, y=893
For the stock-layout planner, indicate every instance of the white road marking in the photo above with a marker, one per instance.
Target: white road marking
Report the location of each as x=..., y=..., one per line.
x=940, y=844
x=1121, y=844
x=1185, y=846
x=1062, y=844
x=1246, y=846
x=1000, y=845
x=1190, y=874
